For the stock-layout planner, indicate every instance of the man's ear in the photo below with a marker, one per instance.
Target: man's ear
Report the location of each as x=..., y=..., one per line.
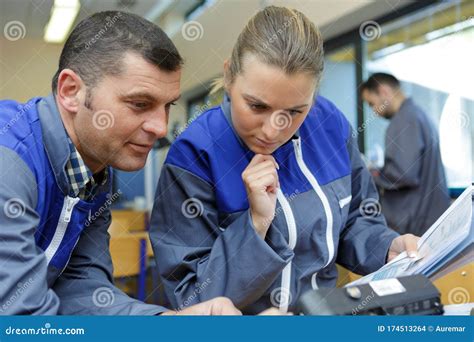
x=364, y=94
x=385, y=90
x=70, y=91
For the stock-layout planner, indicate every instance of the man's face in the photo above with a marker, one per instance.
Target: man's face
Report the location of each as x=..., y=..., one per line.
x=126, y=115
x=377, y=101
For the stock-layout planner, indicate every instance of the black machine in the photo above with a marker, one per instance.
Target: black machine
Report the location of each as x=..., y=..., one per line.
x=410, y=295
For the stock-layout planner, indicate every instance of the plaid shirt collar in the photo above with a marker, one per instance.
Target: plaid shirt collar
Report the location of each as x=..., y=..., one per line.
x=81, y=178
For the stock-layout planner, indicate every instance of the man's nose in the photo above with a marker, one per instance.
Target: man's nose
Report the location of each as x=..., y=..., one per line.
x=157, y=124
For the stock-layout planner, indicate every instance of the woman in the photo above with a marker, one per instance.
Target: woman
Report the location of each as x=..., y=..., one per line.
x=260, y=197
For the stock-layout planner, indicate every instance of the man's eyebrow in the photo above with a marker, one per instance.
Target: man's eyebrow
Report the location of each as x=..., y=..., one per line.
x=138, y=95
x=144, y=96
x=253, y=98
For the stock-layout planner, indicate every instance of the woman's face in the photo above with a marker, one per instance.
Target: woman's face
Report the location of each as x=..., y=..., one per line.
x=268, y=106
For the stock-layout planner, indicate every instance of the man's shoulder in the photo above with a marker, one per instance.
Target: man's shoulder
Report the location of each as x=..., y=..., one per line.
x=15, y=119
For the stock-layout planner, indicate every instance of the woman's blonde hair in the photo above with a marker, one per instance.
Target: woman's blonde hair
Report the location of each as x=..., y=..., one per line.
x=280, y=37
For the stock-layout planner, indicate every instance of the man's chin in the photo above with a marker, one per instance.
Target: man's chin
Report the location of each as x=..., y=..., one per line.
x=130, y=164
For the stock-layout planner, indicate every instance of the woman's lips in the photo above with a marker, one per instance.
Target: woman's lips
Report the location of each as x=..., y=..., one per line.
x=266, y=144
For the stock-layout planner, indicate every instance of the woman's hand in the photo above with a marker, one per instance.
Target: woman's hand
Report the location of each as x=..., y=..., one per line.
x=261, y=182
x=407, y=242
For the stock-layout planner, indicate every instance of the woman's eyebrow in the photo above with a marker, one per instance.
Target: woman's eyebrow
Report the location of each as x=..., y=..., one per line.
x=253, y=98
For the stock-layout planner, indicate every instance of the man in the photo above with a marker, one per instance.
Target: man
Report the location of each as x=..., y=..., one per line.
x=412, y=182
x=118, y=76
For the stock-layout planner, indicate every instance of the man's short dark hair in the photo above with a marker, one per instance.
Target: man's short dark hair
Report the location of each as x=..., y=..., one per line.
x=97, y=44
x=373, y=82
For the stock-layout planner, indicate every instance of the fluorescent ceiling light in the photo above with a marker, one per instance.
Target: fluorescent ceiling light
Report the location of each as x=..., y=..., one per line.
x=63, y=14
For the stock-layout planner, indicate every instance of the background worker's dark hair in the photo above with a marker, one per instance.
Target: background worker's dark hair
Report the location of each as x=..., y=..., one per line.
x=97, y=44
x=374, y=81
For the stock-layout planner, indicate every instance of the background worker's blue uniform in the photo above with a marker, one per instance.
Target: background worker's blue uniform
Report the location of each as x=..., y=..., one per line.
x=412, y=182
x=52, y=258
x=202, y=234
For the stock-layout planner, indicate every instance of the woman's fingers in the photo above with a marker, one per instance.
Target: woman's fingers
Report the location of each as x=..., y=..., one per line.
x=261, y=173
x=263, y=183
x=258, y=158
x=262, y=165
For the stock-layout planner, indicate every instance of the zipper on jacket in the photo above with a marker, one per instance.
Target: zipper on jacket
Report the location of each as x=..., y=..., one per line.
x=70, y=203
x=292, y=236
x=64, y=219
x=324, y=200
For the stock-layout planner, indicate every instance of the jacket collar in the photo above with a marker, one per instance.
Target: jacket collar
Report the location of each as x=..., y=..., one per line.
x=55, y=139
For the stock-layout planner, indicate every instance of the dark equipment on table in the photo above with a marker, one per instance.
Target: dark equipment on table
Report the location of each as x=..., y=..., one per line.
x=410, y=295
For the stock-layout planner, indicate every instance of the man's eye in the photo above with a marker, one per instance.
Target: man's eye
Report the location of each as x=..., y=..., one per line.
x=140, y=105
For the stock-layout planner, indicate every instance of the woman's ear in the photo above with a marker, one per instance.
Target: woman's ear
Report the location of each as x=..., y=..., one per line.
x=227, y=76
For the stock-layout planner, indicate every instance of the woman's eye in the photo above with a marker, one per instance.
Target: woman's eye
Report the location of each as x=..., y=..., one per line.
x=294, y=112
x=256, y=106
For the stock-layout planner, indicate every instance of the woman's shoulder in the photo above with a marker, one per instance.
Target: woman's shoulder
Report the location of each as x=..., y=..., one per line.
x=324, y=114
x=202, y=123
x=202, y=141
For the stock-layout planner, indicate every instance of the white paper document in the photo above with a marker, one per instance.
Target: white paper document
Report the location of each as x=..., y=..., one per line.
x=449, y=232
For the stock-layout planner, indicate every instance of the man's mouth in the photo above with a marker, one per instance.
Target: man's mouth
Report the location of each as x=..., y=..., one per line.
x=140, y=148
